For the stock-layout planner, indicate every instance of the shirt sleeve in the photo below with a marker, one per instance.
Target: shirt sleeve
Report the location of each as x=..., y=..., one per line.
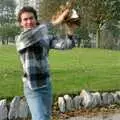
x=60, y=42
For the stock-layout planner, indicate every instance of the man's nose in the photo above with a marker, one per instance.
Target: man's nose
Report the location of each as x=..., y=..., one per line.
x=29, y=21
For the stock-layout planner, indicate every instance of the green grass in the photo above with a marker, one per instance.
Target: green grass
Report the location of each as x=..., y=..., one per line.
x=10, y=72
x=71, y=70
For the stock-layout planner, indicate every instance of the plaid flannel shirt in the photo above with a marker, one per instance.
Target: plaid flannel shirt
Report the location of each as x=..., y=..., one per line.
x=33, y=46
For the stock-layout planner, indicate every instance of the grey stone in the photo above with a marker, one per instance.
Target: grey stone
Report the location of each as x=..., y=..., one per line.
x=77, y=101
x=96, y=99
x=107, y=98
x=61, y=104
x=117, y=96
x=87, y=98
x=14, y=108
x=68, y=102
x=118, y=92
x=23, y=109
x=110, y=99
x=3, y=109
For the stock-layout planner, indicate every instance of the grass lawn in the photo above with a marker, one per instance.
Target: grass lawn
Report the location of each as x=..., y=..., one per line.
x=71, y=70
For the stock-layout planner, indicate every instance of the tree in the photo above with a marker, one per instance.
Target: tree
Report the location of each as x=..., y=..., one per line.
x=8, y=31
x=7, y=11
x=96, y=13
x=7, y=18
x=48, y=8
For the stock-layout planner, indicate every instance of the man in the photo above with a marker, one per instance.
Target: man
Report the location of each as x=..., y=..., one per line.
x=33, y=45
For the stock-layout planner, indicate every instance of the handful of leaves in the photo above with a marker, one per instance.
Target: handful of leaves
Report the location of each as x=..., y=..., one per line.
x=73, y=17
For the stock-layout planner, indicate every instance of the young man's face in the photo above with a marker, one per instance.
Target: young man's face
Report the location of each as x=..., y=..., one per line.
x=28, y=20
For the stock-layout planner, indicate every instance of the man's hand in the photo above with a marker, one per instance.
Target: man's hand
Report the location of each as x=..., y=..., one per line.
x=70, y=28
x=60, y=18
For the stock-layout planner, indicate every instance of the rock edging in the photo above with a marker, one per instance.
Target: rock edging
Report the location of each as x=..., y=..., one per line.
x=18, y=109
x=87, y=99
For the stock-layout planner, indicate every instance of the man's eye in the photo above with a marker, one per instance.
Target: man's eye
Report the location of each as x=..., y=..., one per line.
x=25, y=19
x=31, y=18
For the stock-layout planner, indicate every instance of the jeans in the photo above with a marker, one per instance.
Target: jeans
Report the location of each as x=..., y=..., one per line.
x=39, y=101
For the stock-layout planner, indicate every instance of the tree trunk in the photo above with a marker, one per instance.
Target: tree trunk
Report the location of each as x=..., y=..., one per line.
x=3, y=40
x=7, y=40
x=98, y=38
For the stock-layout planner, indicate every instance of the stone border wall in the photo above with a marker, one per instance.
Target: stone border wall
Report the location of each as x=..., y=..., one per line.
x=18, y=109
x=88, y=99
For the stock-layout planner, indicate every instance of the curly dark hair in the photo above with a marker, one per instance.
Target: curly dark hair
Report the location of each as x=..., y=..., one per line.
x=26, y=9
